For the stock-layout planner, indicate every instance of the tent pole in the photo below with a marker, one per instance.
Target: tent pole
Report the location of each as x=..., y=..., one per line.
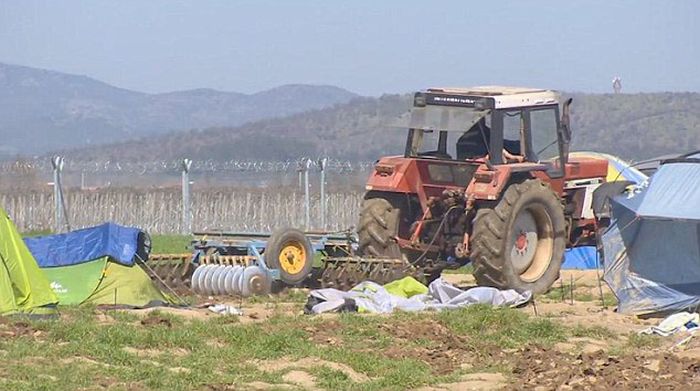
x=600, y=284
x=561, y=289
x=534, y=306
x=571, y=286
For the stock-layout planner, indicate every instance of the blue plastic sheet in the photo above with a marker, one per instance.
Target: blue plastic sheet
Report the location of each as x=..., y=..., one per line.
x=83, y=245
x=581, y=258
x=652, y=249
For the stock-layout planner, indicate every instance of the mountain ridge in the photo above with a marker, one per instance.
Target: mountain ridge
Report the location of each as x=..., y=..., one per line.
x=632, y=126
x=43, y=110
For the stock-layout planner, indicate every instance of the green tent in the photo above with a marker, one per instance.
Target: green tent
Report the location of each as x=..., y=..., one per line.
x=23, y=287
x=103, y=281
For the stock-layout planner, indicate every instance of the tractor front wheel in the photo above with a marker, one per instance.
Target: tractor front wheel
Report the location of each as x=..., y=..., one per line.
x=520, y=243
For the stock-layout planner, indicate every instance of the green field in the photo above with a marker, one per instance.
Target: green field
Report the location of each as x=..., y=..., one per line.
x=170, y=244
x=88, y=348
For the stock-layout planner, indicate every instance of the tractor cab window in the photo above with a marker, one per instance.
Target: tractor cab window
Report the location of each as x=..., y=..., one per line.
x=436, y=144
x=474, y=143
x=434, y=130
x=513, y=126
x=545, y=139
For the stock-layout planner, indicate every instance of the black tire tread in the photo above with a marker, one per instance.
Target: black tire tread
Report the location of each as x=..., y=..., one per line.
x=490, y=233
x=274, y=246
x=378, y=226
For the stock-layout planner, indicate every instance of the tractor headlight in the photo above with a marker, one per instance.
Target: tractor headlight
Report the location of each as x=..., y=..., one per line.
x=484, y=104
x=419, y=99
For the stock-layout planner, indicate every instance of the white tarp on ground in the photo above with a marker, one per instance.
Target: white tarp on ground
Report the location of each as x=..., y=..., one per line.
x=682, y=321
x=371, y=297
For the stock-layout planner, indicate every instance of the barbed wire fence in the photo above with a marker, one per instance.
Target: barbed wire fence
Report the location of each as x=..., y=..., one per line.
x=173, y=166
x=255, y=196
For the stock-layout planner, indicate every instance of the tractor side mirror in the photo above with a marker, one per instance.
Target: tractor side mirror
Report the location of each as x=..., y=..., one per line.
x=565, y=124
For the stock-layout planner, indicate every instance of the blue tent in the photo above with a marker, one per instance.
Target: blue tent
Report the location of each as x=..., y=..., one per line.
x=118, y=242
x=652, y=248
x=580, y=258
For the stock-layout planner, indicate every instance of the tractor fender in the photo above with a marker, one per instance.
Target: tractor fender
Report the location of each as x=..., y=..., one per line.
x=488, y=183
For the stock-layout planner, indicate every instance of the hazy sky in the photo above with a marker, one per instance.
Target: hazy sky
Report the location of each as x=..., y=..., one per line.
x=369, y=47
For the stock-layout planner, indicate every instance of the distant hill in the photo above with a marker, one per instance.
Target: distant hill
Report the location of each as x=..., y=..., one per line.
x=43, y=110
x=637, y=126
x=633, y=126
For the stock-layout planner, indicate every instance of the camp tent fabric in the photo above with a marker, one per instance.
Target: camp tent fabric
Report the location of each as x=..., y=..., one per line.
x=83, y=245
x=585, y=257
x=580, y=258
x=648, y=167
x=674, y=194
x=652, y=248
x=23, y=287
x=104, y=282
x=96, y=266
x=618, y=169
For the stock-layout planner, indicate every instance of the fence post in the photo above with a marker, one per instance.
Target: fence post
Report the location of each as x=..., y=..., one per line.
x=300, y=172
x=322, y=162
x=307, y=196
x=186, y=205
x=57, y=163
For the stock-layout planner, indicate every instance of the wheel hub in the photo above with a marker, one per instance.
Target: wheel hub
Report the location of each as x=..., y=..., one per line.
x=531, y=246
x=292, y=257
x=524, y=241
x=521, y=243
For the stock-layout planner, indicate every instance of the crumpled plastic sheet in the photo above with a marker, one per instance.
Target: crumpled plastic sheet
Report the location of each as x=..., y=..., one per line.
x=373, y=298
x=681, y=321
x=223, y=309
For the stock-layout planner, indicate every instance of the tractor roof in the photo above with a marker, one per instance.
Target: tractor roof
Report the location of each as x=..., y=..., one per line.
x=503, y=97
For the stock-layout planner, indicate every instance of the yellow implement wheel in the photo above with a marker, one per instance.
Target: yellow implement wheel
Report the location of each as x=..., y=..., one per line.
x=293, y=257
x=290, y=251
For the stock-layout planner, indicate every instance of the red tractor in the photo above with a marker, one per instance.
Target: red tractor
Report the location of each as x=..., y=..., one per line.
x=485, y=178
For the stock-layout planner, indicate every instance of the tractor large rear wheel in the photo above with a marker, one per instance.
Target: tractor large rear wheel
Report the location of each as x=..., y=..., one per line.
x=520, y=243
x=379, y=225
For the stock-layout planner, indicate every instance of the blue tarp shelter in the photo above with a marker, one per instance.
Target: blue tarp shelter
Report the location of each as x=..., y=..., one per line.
x=580, y=258
x=652, y=248
x=84, y=245
x=583, y=258
x=96, y=266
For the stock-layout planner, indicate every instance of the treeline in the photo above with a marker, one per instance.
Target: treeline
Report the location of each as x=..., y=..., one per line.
x=633, y=126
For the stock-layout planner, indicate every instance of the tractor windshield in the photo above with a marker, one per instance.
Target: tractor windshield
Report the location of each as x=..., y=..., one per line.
x=437, y=132
x=449, y=119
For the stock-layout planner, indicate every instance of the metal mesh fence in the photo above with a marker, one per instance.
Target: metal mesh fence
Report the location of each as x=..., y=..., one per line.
x=236, y=195
x=159, y=210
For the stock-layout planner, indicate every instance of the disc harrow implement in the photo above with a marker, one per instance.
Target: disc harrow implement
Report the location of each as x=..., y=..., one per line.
x=175, y=270
x=343, y=273
x=246, y=264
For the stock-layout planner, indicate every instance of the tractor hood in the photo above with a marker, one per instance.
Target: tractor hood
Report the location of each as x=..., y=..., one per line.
x=415, y=175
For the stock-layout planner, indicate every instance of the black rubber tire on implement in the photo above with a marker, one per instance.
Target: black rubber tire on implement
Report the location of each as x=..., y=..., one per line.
x=379, y=224
x=286, y=238
x=494, y=239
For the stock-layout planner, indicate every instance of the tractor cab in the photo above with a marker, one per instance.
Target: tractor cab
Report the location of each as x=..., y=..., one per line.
x=495, y=125
x=485, y=178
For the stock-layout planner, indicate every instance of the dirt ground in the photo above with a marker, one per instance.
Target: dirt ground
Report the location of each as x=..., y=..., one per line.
x=584, y=362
